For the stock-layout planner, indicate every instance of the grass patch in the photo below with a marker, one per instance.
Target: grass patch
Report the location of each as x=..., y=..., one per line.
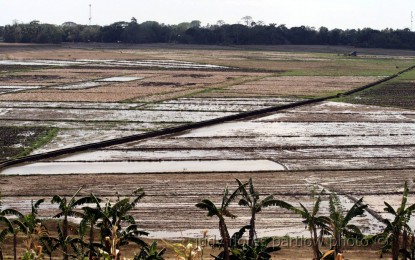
x=350, y=67
x=21, y=141
x=398, y=92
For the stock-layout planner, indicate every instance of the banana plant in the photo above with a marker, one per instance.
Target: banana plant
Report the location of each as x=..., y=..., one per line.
x=338, y=224
x=221, y=212
x=118, y=227
x=91, y=217
x=395, y=230
x=16, y=227
x=312, y=222
x=150, y=252
x=242, y=251
x=67, y=209
x=251, y=199
x=11, y=218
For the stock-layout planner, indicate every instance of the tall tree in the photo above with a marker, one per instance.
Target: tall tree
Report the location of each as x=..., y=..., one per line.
x=248, y=20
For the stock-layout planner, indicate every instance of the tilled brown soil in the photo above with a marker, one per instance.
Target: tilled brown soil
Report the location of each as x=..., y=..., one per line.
x=174, y=195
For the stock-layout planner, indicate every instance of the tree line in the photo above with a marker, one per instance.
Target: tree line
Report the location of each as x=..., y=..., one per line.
x=247, y=33
x=116, y=228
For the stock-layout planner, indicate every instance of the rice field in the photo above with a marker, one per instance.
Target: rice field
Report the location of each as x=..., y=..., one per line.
x=352, y=146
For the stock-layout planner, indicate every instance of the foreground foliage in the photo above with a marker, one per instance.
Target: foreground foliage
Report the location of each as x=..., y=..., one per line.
x=118, y=228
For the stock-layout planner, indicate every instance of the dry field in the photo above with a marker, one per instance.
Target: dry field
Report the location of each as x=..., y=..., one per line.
x=94, y=92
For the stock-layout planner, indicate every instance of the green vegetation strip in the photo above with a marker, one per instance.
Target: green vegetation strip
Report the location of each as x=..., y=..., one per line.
x=18, y=142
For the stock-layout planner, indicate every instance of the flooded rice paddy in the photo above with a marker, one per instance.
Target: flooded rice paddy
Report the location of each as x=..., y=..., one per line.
x=352, y=150
x=50, y=168
x=306, y=142
x=167, y=64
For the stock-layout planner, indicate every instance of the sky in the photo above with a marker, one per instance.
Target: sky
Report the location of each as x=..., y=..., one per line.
x=342, y=14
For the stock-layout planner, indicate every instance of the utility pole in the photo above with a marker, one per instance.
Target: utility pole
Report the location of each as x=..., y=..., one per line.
x=412, y=19
x=90, y=14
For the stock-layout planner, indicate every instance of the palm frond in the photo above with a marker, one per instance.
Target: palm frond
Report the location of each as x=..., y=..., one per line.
x=224, y=197
x=3, y=235
x=12, y=212
x=128, y=219
x=121, y=205
x=304, y=212
x=389, y=208
x=243, y=190
x=92, y=213
x=232, y=197
x=404, y=197
x=139, y=193
x=137, y=240
x=324, y=220
x=243, y=202
x=59, y=215
x=20, y=224
x=410, y=208
x=281, y=204
x=48, y=244
x=131, y=228
x=72, y=200
x=76, y=214
x=60, y=233
x=238, y=235
x=56, y=199
x=316, y=207
x=209, y=206
x=228, y=214
x=334, y=206
x=353, y=231
x=96, y=200
x=84, y=200
x=252, y=189
x=36, y=205
x=6, y=221
x=356, y=210
x=267, y=202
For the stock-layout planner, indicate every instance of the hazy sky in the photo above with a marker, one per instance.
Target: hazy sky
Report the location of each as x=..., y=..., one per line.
x=377, y=14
